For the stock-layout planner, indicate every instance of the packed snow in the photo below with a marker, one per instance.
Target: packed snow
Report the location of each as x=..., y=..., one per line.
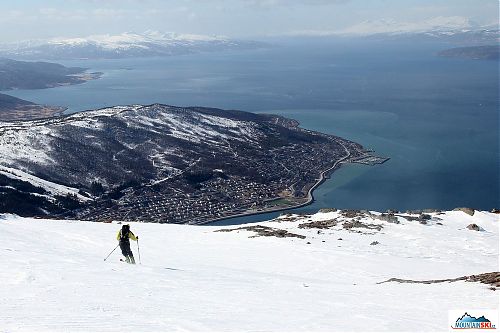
x=192, y=278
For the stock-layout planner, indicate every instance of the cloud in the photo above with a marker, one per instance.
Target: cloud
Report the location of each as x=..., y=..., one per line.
x=288, y=3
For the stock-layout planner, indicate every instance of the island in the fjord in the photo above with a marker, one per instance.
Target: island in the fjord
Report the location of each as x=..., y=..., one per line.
x=165, y=164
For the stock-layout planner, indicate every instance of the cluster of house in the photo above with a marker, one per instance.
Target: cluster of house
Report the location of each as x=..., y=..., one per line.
x=286, y=172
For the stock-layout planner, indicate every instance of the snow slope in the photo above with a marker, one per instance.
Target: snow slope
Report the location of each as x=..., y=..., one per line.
x=53, y=276
x=53, y=188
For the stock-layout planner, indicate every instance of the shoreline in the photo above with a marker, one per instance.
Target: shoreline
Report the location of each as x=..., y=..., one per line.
x=310, y=196
x=287, y=203
x=28, y=110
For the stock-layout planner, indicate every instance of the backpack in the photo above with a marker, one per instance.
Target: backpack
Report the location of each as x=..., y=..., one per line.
x=124, y=233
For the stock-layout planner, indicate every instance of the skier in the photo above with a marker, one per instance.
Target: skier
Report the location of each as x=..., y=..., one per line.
x=123, y=237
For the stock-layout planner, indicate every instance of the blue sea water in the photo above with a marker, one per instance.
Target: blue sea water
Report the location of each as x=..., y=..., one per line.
x=436, y=118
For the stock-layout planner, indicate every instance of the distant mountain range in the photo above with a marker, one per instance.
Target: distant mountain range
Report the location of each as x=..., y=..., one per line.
x=154, y=43
x=453, y=29
x=465, y=37
x=394, y=26
x=126, y=45
x=443, y=24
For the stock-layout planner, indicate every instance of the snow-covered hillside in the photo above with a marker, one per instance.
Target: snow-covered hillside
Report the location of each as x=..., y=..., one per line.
x=160, y=163
x=53, y=276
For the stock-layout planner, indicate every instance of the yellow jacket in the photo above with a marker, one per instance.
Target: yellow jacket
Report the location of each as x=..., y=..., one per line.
x=130, y=235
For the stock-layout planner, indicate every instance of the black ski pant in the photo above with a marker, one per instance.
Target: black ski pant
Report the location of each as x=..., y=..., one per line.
x=126, y=251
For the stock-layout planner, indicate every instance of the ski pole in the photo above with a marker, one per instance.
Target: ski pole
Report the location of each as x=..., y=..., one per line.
x=139, y=252
x=111, y=252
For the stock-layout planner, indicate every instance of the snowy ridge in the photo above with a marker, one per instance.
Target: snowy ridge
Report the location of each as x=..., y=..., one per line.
x=184, y=123
x=31, y=140
x=196, y=279
x=190, y=126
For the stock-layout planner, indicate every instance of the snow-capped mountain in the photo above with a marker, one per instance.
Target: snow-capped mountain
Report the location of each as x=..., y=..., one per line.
x=452, y=28
x=150, y=43
x=443, y=24
x=147, y=161
x=296, y=273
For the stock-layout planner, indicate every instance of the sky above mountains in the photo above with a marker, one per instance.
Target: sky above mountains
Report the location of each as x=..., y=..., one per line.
x=31, y=19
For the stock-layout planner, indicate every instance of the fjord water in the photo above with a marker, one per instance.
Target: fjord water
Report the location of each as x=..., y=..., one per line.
x=436, y=118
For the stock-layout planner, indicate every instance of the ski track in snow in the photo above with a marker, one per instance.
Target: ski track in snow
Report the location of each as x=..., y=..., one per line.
x=53, y=276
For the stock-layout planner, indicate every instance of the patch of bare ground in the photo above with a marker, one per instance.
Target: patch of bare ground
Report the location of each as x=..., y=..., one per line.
x=30, y=112
x=492, y=279
x=263, y=231
x=387, y=217
x=466, y=210
x=351, y=213
x=319, y=224
x=292, y=217
x=357, y=224
x=328, y=210
x=422, y=218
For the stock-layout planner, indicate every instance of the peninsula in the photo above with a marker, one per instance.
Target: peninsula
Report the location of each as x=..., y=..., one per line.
x=165, y=164
x=40, y=75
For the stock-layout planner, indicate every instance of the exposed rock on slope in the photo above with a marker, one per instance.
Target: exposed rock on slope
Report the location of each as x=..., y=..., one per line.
x=466, y=210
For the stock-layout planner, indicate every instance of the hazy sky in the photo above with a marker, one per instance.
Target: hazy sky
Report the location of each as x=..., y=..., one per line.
x=28, y=19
